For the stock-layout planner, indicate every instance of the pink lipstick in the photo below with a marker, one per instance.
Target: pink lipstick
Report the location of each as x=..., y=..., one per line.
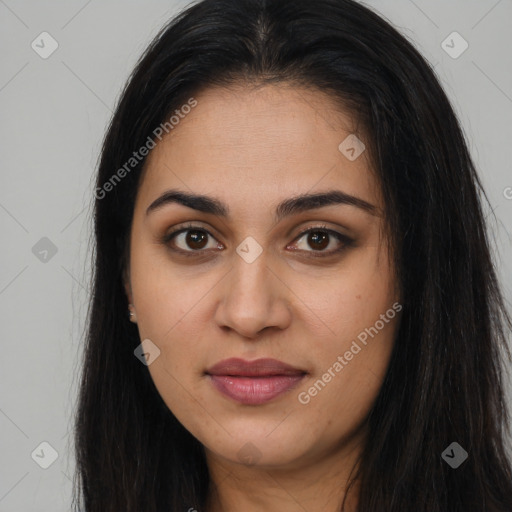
x=254, y=382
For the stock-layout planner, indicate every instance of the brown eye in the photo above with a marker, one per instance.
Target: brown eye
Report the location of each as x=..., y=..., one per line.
x=193, y=241
x=190, y=239
x=196, y=239
x=317, y=239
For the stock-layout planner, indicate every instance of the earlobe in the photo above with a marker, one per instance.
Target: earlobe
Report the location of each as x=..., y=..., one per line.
x=133, y=316
x=129, y=296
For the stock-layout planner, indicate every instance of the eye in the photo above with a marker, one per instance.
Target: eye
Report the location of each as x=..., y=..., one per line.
x=190, y=239
x=319, y=238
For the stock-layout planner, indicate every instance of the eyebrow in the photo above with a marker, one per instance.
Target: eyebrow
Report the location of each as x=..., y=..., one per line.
x=291, y=206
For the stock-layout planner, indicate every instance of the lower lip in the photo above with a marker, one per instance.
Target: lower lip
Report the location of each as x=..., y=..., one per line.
x=254, y=390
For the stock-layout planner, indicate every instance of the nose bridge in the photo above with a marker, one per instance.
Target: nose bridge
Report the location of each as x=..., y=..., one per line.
x=249, y=302
x=249, y=285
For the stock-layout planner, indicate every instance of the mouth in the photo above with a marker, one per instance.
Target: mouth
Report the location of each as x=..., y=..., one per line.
x=254, y=382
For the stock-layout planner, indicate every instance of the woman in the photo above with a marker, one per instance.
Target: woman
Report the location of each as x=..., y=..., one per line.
x=295, y=306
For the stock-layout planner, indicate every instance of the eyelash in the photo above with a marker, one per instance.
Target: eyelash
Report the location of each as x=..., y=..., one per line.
x=345, y=241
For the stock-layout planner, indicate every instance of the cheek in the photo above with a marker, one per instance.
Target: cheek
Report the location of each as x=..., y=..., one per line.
x=169, y=305
x=167, y=295
x=335, y=401
x=352, y=355
x=347, y=302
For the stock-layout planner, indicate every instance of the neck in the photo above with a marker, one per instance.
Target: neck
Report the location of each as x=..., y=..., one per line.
x=314, y=484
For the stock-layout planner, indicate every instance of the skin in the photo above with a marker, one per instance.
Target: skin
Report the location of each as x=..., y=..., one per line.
x=251, y=149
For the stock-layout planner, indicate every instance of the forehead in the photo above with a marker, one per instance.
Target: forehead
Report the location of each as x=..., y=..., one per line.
x=256, y=146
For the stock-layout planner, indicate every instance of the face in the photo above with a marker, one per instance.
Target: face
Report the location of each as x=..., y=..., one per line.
x=240, y=279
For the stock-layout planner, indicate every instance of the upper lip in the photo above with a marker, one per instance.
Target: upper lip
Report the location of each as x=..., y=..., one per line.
x=258, y=368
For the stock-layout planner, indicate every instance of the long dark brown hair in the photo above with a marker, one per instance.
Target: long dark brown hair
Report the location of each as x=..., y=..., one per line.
x=445, y=381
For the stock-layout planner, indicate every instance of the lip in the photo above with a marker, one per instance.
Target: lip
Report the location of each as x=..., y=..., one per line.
x=254, y=382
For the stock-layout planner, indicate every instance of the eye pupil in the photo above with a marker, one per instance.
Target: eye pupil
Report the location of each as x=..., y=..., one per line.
x=319, y=239
x=194, y=238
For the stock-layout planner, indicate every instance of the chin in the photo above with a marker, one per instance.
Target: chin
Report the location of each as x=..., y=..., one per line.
x=259, y=448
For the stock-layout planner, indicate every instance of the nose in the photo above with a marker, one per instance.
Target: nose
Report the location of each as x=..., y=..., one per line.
x=253, y=298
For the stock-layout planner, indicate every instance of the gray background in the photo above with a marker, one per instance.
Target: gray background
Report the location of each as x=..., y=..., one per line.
x=54, y=114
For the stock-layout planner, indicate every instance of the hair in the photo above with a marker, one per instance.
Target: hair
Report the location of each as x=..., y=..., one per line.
x=445, y=379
